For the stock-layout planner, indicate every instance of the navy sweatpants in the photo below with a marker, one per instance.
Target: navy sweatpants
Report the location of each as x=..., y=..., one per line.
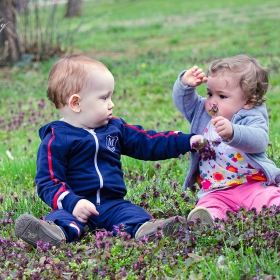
x=112, y=212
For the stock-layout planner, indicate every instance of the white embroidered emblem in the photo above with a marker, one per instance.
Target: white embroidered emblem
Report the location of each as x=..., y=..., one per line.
x=111, y=142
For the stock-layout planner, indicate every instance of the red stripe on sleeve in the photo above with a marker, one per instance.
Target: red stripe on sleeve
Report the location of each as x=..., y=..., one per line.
x=151, y=136
x=60, y=191
x=50, y=156
x=63, y=188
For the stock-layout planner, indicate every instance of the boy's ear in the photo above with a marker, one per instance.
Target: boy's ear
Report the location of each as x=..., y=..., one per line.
x=74, y=103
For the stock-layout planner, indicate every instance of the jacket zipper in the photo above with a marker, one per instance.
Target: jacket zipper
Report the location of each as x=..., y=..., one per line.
x=91, y=131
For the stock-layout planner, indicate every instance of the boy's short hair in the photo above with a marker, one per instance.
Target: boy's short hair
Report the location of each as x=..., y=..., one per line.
x=69, y=76
x=247, y=72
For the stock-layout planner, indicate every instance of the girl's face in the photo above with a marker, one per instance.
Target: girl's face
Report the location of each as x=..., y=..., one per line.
x=226, y=95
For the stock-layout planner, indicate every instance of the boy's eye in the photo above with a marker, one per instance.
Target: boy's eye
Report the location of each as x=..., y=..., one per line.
x=104, y=97
x=209, y=94
x=222, y=96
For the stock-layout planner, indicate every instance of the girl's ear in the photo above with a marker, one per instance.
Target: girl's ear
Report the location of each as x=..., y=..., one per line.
x=74, y=103
x=248, y=106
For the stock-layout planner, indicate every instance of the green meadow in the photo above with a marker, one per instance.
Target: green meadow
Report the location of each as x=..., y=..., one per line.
x=145, y=44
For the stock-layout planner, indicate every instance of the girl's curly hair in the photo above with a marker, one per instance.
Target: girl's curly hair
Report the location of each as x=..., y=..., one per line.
x=247, y=72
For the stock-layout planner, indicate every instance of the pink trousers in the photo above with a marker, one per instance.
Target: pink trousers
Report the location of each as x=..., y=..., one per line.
x=248, y=195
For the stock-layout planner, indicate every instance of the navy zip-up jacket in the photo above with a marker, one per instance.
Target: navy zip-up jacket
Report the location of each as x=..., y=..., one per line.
x=74, y=163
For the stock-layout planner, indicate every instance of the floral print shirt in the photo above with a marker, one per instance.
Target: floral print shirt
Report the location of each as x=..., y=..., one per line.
x=230, y=168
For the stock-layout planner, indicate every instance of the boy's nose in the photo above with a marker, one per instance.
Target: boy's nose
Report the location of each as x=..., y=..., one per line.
x=111, y=105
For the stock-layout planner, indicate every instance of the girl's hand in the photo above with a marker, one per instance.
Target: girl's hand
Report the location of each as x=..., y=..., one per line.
x=223, y=127
x=194, y=77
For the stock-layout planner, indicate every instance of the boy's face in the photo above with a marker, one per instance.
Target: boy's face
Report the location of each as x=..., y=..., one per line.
x=96, y=104
x=225, y=94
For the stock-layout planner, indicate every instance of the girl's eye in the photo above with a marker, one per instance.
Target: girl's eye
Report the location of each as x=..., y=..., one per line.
x=105, y=97
x=223, y=96
x=209, y=94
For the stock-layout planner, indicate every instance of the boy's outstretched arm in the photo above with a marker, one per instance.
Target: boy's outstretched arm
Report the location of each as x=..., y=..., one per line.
x=194, y=77
x=152, y=145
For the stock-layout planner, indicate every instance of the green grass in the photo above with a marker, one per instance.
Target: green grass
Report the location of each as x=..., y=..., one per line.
x=145, y=44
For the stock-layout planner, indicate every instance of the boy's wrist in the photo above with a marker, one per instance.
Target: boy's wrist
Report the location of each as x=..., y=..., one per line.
x=69, y=202
x=183, y=142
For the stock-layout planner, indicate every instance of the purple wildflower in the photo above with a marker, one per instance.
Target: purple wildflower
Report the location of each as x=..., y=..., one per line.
x=204, y=149
x=157, y=165
x=214, y=111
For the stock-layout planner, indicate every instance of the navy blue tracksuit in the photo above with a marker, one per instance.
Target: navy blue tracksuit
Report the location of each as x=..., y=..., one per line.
x=74, y=163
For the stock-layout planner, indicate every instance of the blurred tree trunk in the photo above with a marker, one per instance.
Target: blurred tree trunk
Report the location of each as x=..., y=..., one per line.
x=20, y=5
x=74, y=8
x=9, y=41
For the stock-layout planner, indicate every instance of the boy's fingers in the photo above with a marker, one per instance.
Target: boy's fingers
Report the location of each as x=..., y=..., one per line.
x=82, y=220
x=92, y=210
x=83, y=217
x=95, y=213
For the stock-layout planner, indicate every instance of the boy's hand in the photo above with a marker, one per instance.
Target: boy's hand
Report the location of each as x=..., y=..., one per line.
x=83, y=210
x=196, y=139
x=223, y=127
x=194, y=77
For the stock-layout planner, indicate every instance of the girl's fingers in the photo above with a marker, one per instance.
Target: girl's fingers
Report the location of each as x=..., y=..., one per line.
x=194, y=68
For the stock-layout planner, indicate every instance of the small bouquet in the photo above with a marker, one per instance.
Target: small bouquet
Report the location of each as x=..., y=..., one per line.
x=205, y=148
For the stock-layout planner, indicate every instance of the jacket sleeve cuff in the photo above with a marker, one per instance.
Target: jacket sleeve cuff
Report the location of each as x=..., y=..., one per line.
x=69, y=202
x=183, y=142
